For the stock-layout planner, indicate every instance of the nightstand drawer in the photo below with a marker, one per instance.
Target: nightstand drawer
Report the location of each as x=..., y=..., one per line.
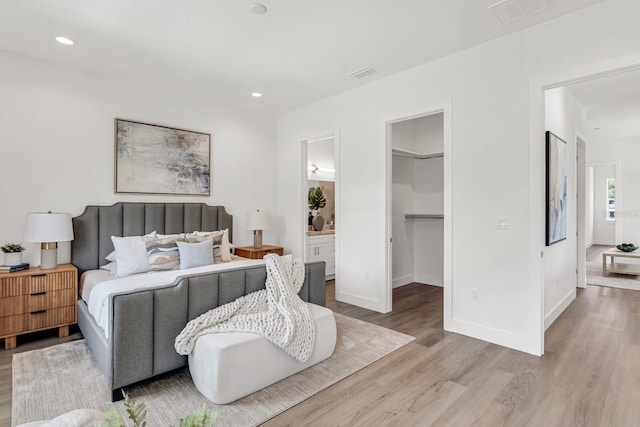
x=11, y=325
x=12, y=286
x=47, y=282
x=54, y=299
x=41, y=319
x=36, y=299
x=11, y=306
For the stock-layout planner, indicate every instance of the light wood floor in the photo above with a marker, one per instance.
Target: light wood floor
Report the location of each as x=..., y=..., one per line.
x=589, y=375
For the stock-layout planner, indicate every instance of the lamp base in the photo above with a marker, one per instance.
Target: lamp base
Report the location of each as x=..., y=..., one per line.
x=257, y=239
x=48, y=255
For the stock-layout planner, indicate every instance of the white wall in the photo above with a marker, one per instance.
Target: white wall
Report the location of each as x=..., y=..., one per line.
x=403, y=231
x=626, y=154
x=418, y=244
x=488, y=87
x=57, y=146
x=428, y=245
x=422, y=135
x=589, y=222
x=566, y=118
x=604, y=232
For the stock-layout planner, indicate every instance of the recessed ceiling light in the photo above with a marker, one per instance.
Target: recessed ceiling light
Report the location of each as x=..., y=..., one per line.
x=259, y=9
x=256, y=94
x=596, y=128
x=64, y=40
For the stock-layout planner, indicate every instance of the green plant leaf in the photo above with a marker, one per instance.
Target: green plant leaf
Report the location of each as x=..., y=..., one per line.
x=137, y=411
x=113, y=417
x=12, y=247
x=316, y=198
x=200, y=418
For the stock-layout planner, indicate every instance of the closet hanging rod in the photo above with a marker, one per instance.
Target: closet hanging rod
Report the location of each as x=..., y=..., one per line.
x=405, y=153
x=423, y=216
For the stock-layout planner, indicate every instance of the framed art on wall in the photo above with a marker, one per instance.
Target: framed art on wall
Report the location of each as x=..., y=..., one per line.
x=155, y=159
x=556, y=200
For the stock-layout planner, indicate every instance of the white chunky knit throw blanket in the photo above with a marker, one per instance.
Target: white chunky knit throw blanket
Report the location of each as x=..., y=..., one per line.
x=277, y=313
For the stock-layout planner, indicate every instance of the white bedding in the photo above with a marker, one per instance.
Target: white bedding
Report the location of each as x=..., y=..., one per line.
x=98, y=286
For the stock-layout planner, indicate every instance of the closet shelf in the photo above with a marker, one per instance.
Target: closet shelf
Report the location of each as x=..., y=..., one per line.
x=423, y=216
x=406, y=153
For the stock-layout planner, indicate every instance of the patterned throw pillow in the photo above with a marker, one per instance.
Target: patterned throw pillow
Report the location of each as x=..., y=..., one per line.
x=216, y=236
x=163, y=253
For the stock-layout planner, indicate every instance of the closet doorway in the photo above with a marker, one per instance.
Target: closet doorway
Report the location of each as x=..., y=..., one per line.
x=417, y=202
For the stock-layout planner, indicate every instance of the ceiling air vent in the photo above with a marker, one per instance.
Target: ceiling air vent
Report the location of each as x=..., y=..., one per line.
x=510, y=11
x=363, y=72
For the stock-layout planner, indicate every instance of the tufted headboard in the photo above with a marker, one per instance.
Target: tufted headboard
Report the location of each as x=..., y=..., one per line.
x=94, y=227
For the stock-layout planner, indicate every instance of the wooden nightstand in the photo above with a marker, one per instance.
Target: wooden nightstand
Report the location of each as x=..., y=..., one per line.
x=259, y=253
x=35, y=299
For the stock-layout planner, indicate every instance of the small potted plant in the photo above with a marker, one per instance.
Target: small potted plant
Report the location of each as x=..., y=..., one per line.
x=316, y=202
x=12, y=253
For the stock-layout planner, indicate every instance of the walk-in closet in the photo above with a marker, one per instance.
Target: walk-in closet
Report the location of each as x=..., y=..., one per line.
x=418, y=200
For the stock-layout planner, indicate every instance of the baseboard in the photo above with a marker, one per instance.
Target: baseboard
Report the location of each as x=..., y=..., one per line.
x=559, y=308
x=603, y=242
x=496, y=336
x=428, y=279
x=401, y=281
x=360, y=301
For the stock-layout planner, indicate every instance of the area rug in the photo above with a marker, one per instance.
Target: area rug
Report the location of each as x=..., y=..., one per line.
x=622, y=281
x=54, y=380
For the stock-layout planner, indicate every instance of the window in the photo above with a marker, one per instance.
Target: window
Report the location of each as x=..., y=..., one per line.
x=611, y=199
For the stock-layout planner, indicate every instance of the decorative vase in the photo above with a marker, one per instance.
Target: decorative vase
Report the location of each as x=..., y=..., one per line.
x=13, y=258
x=318, y=223
x=310, y=219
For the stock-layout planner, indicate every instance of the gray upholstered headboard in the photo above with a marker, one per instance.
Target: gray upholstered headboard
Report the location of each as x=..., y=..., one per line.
x=95, y=226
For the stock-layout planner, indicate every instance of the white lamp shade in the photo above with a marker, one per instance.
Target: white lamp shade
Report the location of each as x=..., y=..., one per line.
x=48, y=227
x=258, y=220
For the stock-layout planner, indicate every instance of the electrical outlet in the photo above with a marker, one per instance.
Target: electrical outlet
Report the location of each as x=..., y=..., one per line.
x=474, y=294
x=366, y=275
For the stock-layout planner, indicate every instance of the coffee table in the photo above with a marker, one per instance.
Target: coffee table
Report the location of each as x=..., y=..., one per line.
x=620, y=267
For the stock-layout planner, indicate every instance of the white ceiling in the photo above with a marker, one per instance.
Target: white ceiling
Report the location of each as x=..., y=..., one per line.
x=299, y=52
x=612, y=104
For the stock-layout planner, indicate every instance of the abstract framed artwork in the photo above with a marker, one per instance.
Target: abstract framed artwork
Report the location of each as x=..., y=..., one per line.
x=556, y=180
x=153, y=159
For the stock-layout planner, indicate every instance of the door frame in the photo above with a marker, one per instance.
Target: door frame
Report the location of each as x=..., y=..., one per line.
x=537, y=87
x=581, y=246
x=444, y=107
x=617, y=169
x=335, y=134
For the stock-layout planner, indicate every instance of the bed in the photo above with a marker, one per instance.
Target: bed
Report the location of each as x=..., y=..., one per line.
x=142, y=323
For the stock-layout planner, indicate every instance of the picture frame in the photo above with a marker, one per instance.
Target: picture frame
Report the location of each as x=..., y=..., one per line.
x=155, y=159
x=556, y=189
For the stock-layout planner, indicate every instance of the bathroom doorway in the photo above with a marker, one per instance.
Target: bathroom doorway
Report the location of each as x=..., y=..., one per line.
x=320, y=204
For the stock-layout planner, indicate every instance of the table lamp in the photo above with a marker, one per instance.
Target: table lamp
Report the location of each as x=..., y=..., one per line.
x=258, y=221
x=48, y=228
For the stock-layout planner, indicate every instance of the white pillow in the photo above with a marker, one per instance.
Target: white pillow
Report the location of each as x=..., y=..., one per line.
x=111, y=267
x=112, y=255
x=195, y=254
x=225, y=249
x=131, y=255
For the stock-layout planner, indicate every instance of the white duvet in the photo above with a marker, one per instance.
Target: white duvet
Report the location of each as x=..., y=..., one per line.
x=98, y=298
